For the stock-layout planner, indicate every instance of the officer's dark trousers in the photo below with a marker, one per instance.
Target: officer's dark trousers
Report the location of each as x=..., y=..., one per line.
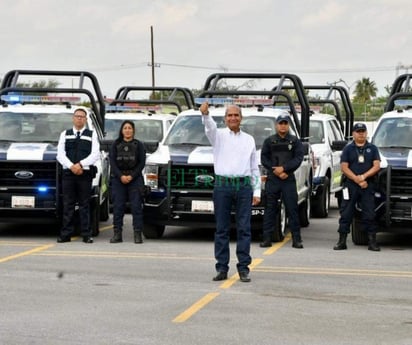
x=366, y=199
x=274, y=190
x=121, y=193
x=76, y=189
x=226, y=195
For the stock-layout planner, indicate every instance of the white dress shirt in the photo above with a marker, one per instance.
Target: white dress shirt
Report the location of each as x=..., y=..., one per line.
x=234, y=154
x=92, y=158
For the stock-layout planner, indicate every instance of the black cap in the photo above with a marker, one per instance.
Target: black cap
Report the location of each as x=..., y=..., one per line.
x=359, y=127
x=283, y=117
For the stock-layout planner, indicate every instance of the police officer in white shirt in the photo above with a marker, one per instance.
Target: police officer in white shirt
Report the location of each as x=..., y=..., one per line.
x=237, y=184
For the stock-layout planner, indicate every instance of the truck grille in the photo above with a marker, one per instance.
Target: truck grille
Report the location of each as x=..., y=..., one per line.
x=188, y=177
x=400, y=182
x=33, y=175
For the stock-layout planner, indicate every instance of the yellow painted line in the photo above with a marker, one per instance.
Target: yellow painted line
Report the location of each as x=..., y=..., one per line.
x=123, y=255
x=277, y=245
x=234, y=278
x=189, y=312
x=27, y=252
x=226, y=284
x=336, y=271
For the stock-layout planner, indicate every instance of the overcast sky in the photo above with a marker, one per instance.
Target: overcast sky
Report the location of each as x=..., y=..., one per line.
x=322, y=41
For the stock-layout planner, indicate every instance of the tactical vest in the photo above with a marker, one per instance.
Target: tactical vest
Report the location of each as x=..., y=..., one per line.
x=78, y=148
x=126, y=155
x=282, y=150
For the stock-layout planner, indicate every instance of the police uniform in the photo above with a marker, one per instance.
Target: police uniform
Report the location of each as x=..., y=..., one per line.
x=77, y=147
x=127, y=158
x=287, y=152
x=360, y=160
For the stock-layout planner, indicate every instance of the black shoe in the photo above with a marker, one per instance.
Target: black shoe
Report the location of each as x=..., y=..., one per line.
x=87, y=239
x=244, y=277
x=297, y=244
x=138, y=237
x=220, y=276
x=117, y=238
x=61, y=239
x=265, y=244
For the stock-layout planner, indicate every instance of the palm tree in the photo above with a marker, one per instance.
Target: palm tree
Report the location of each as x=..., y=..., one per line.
x=365, y=89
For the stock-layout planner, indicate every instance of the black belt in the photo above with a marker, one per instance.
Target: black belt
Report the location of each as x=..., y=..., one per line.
x=233, y=179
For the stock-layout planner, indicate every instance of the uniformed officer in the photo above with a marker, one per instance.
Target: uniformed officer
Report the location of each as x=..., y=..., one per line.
x=127, y=160
x=282, y=153
x=360, y=161
x=77, y=151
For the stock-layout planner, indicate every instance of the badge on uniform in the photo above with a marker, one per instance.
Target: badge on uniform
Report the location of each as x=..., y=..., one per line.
x=290, y=147
x=126, y=148
x=361, y=159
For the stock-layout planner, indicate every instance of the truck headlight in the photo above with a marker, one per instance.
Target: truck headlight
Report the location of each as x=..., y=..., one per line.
x=151, y=176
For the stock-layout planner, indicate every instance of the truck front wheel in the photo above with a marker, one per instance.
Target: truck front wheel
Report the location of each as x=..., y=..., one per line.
x=153, y=231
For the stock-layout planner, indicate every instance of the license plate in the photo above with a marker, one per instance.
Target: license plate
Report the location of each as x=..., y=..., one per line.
x=22, y=201
x=202, y=206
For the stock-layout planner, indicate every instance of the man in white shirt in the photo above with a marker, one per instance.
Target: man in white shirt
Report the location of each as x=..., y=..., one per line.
x=237, y=183
x=78, y=149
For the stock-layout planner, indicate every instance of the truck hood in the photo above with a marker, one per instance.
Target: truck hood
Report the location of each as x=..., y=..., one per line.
x=184, y=154
x=28, y=151
x=396, y=156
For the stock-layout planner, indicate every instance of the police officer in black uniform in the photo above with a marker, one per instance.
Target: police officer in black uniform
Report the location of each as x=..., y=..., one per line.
x=282, y=153
x=360, y=161
x=78, y=149
x=127, y=160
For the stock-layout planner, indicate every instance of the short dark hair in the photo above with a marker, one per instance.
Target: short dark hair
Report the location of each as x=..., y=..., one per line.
x=80, y=109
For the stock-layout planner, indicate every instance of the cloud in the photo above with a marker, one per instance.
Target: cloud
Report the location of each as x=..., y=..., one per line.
x=330, y=13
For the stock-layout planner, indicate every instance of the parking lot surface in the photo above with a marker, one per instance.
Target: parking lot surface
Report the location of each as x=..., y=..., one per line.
x=161, y=291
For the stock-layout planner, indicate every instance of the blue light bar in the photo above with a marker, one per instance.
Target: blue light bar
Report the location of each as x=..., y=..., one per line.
x=235, y=101
x=403, y=102
x=121, y=108
x=39, y=99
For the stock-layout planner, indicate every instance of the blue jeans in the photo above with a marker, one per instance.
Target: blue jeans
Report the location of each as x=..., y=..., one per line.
x=276, y=189
x=225, y=196
x=121, y=193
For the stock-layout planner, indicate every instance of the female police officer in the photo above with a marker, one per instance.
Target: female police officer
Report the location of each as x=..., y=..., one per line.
x=127, y=160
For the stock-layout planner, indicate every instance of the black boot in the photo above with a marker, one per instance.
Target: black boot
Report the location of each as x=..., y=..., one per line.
x=372, y=245
x=138, y=238
x=117, y=236
x=341, y=245
x=297, y=241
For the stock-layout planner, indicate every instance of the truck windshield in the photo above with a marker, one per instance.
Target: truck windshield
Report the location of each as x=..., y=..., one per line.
x=33, y=127
x=190, y=129
x=394, y=132
x=145, y=130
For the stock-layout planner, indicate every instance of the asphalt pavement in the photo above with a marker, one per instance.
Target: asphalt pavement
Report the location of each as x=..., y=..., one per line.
x=161, y=291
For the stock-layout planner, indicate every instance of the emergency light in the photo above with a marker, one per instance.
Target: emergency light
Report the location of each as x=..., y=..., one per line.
x=124, y=108
x=39, y=99
x=240, y=102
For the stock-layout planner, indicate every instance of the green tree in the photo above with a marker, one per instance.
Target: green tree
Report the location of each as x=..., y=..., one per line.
x=365, y=90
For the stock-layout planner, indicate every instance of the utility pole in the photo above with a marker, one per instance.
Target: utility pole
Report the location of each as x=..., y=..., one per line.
x=152, y=50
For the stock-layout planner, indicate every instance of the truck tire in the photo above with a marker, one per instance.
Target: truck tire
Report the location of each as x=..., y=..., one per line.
x=153, y=231
x=359, y=237
x=304, y=211
x=105, y=209
x=280, y=225
x=320, y=208
x=95, y=217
